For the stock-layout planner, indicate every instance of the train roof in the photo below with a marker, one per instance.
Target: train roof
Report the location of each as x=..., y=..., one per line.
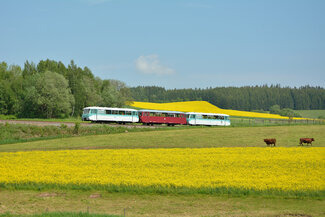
x=200, y=113
x=109, y=108
x=160, y=111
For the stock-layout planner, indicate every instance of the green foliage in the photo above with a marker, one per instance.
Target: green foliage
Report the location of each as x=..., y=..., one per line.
x=50, y=89
x=13, y=133
x=259, y=111
x=47, y=96
x=7, y=117
x=246, y=98
x=76, y=128
x=287, y=112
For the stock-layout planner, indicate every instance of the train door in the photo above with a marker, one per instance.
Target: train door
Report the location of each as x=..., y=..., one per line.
x=134, y=116
x=94, y=111
x=193, y=119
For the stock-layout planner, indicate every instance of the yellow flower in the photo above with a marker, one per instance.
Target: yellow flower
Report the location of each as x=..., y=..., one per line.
x=203, y=107
x=283, y=169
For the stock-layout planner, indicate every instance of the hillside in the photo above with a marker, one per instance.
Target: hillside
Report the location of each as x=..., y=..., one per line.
x=202, y=106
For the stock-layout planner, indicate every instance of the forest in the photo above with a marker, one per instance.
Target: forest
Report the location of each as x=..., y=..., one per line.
x=50, y=89
x=247, y=98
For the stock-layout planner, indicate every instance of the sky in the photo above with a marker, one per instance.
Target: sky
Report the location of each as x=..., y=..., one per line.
x=172, y=43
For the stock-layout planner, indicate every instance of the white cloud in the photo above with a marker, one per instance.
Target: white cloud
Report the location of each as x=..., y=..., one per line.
x=151, y=65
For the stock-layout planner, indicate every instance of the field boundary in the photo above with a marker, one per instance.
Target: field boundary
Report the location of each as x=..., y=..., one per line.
x=171, y=189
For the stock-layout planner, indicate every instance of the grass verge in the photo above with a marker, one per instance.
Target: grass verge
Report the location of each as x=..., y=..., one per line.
x=135, y=189
x=30, y=202
x=60, y=214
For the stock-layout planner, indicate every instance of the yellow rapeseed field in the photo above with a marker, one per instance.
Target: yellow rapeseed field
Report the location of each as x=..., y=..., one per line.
x=285, y=169
x=202, y=106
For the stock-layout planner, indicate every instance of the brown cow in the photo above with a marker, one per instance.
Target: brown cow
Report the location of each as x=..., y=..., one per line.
x=306, y=140
x=270, y=141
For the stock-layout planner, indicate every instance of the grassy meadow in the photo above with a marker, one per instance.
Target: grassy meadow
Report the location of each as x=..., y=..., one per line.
x=311, y=113
x=198, y=137
x=138, y=205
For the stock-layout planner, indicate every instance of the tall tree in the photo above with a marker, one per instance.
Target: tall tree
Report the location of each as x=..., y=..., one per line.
x=48, y=95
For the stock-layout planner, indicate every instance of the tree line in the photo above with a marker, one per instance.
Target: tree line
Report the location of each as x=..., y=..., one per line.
x=50, y=89
x=247, y=98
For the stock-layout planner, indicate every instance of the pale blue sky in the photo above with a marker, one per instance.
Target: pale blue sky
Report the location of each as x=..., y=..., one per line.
x=173, y=44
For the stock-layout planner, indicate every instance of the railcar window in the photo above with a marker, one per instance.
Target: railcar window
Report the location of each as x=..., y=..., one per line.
x=171, y=115
x=114, y=112
x=108, y=112
x=192, y=116
x=204, y=116
x=86, y=111
x=101, y=111
x=151, y=114
x=128, y=113
x=121, y=112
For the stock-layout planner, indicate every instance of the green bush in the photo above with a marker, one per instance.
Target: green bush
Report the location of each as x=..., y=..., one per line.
x=76, y=128
x=7, y=117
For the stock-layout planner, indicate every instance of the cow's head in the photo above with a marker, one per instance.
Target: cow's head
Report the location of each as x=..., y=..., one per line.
x=312, y=139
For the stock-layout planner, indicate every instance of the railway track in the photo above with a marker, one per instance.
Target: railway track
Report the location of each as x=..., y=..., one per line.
x=72, y=124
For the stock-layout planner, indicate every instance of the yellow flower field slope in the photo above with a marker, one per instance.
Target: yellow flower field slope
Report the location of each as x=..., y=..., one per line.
x=202, y=106
x=285, y=169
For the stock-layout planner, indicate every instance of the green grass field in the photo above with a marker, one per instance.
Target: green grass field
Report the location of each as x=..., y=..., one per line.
x=31, y=202
x=60, y=214
x=287, y=136
x=311, y=113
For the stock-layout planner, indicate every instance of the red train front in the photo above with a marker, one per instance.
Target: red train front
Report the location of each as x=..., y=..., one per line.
x=151, y=117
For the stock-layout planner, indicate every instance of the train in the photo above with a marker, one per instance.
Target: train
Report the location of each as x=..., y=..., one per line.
x=151, y=117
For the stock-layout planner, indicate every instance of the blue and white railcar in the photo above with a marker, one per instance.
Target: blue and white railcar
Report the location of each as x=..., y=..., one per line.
x=209, y=119
x=106, y=114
